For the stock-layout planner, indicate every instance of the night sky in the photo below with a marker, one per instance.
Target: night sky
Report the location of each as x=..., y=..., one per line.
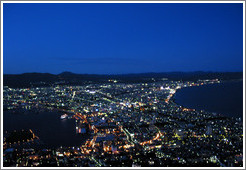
x=122, y=38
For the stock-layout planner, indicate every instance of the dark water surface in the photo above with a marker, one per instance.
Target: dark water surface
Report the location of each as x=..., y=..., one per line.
x=224, y=98
x=48, y=126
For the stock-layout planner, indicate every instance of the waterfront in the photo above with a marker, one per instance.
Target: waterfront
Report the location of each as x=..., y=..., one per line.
x=224, y=98
x=47, y=126
x=129, y=125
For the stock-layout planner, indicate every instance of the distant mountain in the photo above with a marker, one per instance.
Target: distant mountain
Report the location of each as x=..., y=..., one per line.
x=69, y=78
x=27, y=79
x=66, y=73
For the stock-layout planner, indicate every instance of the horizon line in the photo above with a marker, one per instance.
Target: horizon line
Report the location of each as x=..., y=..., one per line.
x=123, y=73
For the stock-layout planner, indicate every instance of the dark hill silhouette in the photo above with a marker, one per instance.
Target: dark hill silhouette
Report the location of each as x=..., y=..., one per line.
x=69, y=78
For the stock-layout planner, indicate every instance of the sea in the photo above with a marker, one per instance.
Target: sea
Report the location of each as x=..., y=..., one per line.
x=225, y=98
x=51, y=130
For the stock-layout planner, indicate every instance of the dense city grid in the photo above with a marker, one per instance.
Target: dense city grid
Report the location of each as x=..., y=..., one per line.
x=128, y=125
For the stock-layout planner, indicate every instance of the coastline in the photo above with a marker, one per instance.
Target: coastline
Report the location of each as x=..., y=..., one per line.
x=173, y=99
x=57, y=129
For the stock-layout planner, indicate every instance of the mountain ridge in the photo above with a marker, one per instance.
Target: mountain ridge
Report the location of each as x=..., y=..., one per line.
x=168, y=72
x=35, y=79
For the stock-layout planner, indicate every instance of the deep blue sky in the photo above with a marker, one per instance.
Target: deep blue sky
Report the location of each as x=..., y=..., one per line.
x=122, y=38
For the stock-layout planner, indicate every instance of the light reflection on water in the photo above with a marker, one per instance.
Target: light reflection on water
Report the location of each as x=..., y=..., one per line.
x=48, y=126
